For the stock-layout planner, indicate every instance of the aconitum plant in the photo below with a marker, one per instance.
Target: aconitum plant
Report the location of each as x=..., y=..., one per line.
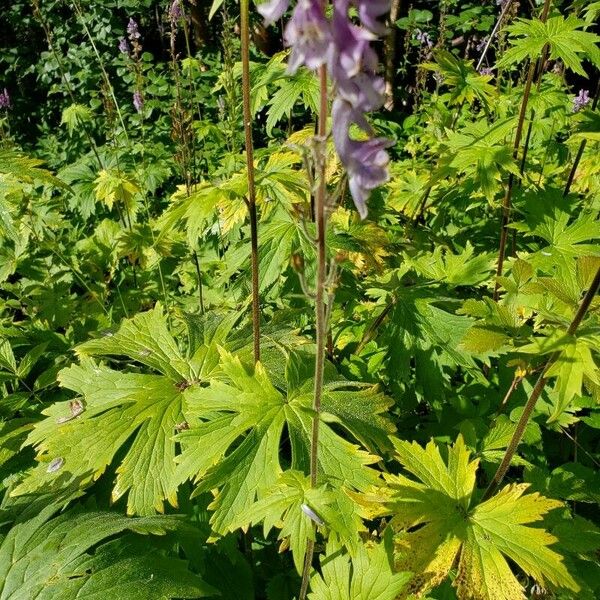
x=345, y=47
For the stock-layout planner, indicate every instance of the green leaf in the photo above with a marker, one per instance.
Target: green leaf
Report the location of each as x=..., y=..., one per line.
x=467, y=84
x=75, y=115
x=292, y=505
x=25, y=169
x=67, y=557
x=82, y=437
x=564, y=38
x=367, y=576
x=247, y=408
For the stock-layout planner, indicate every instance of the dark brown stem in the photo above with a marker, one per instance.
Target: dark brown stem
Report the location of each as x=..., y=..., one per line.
x=199, y=277
x=507, y=202
x=245, y=39
x=536, y=393
x=320, y=307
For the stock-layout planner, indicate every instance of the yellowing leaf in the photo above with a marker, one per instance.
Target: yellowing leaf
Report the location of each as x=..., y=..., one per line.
x=439, y=524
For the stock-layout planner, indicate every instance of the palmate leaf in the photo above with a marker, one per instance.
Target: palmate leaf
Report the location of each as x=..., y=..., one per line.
x=462, y=268
x=467, y=85
x=26, y=169
x=565, y=39
x=67, y=557
x=438, y=524
x=249, y=410
x=76, y=445
x=368, y=576
x=292, y=505
x=478, y=151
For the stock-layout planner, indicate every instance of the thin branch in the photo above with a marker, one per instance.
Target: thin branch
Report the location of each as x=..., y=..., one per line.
x=245, y=39
x=537, y=392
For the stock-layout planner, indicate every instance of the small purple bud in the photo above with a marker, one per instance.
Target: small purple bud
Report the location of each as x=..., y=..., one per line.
x=423, y=38
x=486, y=71
x=4, y=99
x=133, y=31
x=482, y=44
x=123, y=46
x=175, y=12
x=138, y=101
x=581, y=100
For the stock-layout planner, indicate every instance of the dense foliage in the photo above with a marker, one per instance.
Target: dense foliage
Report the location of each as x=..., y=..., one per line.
x=449, y=444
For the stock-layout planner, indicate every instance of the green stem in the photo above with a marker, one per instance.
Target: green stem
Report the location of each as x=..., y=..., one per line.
x=251, y=200
x=537, y=392
x=320, y=307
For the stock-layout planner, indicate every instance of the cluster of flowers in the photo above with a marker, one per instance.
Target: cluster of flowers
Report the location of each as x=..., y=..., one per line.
x=345, y=47
x=580, y=101
x=134, y=36
x=4, y=99
x=175, y=12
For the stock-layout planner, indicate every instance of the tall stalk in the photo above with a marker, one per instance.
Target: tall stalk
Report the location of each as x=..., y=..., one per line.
x=537, y=392
x=251, y=199
x=507, y=202
x=320, y=304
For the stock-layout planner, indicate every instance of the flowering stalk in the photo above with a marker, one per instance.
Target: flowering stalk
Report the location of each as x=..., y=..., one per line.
x=340, y=50
x=251, y=200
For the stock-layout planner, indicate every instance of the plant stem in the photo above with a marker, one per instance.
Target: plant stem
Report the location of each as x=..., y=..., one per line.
x=320, y=307
x=251, y=200
x=537, y=391
x=37, y=13
x=199, y=277
x=534, y=67
x=506, y=204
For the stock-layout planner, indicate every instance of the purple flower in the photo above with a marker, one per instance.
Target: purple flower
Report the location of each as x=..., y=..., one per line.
x=4, y=99
x=486, y=71
x=345, y=47
x=133, y=30
x=123, y=46
x=273, y=10
x=370, y=12
x=579, y=102
x=308, y=34
x=423, y=38
x=175, y=12
x=366, y=162
x=482, y=44
x=138, y=101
